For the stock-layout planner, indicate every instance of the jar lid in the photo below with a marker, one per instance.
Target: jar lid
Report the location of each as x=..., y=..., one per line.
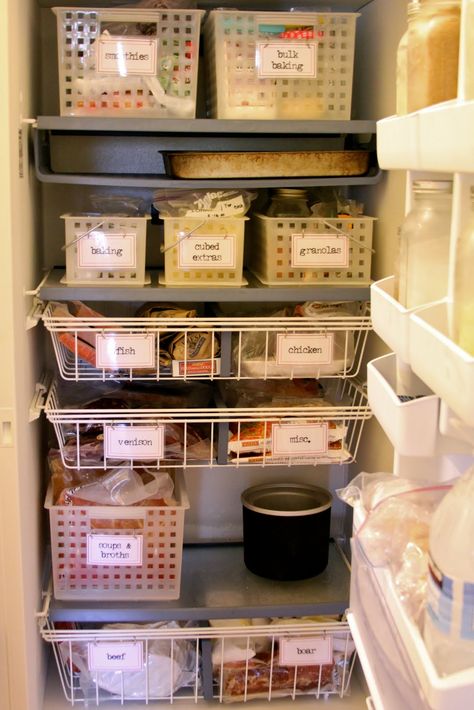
x=290, y=192
x=286, y=499
x=433, y=186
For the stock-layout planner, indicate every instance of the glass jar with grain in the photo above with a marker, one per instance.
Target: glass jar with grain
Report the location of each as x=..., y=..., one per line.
x=433, y=53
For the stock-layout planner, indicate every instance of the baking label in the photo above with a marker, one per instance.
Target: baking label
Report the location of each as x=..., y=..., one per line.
x=104, y=250
x=196, y=367
x=212, y=252
x=297, y=439
x=110, y=656
x=287, y=60
x=305, y=651
x=110, y=550
x=319, y=250
x=114, y=351
x=124, y=56
x=134, y=442
x=212, y=209
x=302, y=349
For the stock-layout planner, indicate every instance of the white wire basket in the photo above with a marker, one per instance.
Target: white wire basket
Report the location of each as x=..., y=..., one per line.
x=180, y=438
x=238, y=348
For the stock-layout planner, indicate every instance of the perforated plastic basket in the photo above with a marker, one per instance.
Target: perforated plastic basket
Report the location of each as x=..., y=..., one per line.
x=105, y=249
x=289, y=250
x=265, y=65
x=128, y=62
x=204, y=251
x=151, y=537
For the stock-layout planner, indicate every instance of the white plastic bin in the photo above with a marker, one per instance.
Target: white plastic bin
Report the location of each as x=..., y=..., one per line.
x=291, y=250
x=267, y=65
x=128, y=62
x=201, y=251
x=105, y=249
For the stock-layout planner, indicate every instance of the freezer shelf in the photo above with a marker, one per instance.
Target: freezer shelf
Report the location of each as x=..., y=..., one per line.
x=215, y=584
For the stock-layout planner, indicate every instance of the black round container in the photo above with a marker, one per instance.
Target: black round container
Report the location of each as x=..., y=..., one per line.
x=286, y=530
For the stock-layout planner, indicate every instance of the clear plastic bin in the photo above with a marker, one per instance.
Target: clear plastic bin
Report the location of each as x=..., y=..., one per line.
x=128, y=62
x=204, y=251
x=151, y=537
x=291, y=250
x=266, y=65
x=105, y=249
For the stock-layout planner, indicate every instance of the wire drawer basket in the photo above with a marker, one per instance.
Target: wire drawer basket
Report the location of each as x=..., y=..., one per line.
x=128, y=62
x=288, y=250
x=280, y=65
x=91, y=546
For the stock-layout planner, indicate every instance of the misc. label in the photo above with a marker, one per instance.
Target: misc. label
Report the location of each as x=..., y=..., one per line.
x=180, y=368
x=303, y=349
x=287, y=59
x=319, y=250
x=207, y=252
x=110, y=656
x=297, y=439
x=305, y=651
x=124, y=56
x=110, y=550
x=127, y=351
x=104, y=250
x=134, y=442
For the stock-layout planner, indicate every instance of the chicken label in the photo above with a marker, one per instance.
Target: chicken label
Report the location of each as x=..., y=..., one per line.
x=302, y=349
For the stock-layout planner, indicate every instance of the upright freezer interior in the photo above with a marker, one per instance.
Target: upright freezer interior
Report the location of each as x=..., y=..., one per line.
x=55, y=164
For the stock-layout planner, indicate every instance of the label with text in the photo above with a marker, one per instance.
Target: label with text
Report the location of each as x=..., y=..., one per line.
x=128, y=351
x=233, y=207
x=181, y=368
x=319, y=250
x=134, y=442
x=124, y=56
x=297, y=439
x=289, y=60
x=302, y=349
x=104, y=250
x=212, y=252
x=305, y=651
x=110, y=656
x=111, y=550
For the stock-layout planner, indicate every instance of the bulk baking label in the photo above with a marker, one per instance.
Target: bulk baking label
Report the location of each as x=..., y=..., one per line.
x=124, y=56
x=134, y=442
x=305, y=651
x=319, y=250
x=134, y=350
x=297, y=439
x=104, y=250
x=111, y=550
x=110, y=656
x=304, y=349
x=207, y=252
x=288, y=60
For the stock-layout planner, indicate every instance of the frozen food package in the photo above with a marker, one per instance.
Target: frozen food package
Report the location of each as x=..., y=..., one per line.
x=203, y=203
x=369, y=489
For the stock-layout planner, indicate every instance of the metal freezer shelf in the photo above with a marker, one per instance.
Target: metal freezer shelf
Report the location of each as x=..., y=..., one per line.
x=215, y=584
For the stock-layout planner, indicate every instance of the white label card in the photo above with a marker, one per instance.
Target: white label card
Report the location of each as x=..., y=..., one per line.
x=110, y=656
x=104, y=250
x=134, y=442
x=207, y=252
x=305, y=651
x=297, y=439
x=287, y=59
x=134, y=350
x=112, y=550
x=319, y=250
x=302, y=349
x=124, y=56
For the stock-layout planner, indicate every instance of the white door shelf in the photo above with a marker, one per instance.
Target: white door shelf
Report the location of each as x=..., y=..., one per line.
x=389, y=317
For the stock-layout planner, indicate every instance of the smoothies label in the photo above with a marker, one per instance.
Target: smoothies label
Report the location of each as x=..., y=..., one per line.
x=123, y=56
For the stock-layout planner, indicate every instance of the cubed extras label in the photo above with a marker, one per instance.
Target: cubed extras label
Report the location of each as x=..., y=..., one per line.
x=315, y=250
x=110, y=656
x=207, y=252
x=124, y=56
x=304, y=349
x=128, y=351
x=111, y=550
x=305, y=651
x=297, y=439
x=104, y=250
x=288, y=60
x=134, y=442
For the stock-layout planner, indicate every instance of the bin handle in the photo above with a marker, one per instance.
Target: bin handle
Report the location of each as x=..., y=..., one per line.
x=345, y=234
x=181, y=238
x=81, y=236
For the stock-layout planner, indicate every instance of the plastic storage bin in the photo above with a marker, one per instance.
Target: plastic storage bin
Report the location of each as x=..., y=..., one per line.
x=204, y=251
x=151, y=536
x=128, y=62
x=280, y=65
x=289, y=250
x=105, y=249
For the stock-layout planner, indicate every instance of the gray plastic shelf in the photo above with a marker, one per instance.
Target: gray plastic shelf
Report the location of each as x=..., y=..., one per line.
x=312, y=5
x=215, y=584
x=53, y=290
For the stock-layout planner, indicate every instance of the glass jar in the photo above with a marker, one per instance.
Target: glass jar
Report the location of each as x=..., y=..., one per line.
x=289, y=202
x=424, y=244
x=462, y=331
x=401, y=93
x=433, y=53
x=469, y=52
